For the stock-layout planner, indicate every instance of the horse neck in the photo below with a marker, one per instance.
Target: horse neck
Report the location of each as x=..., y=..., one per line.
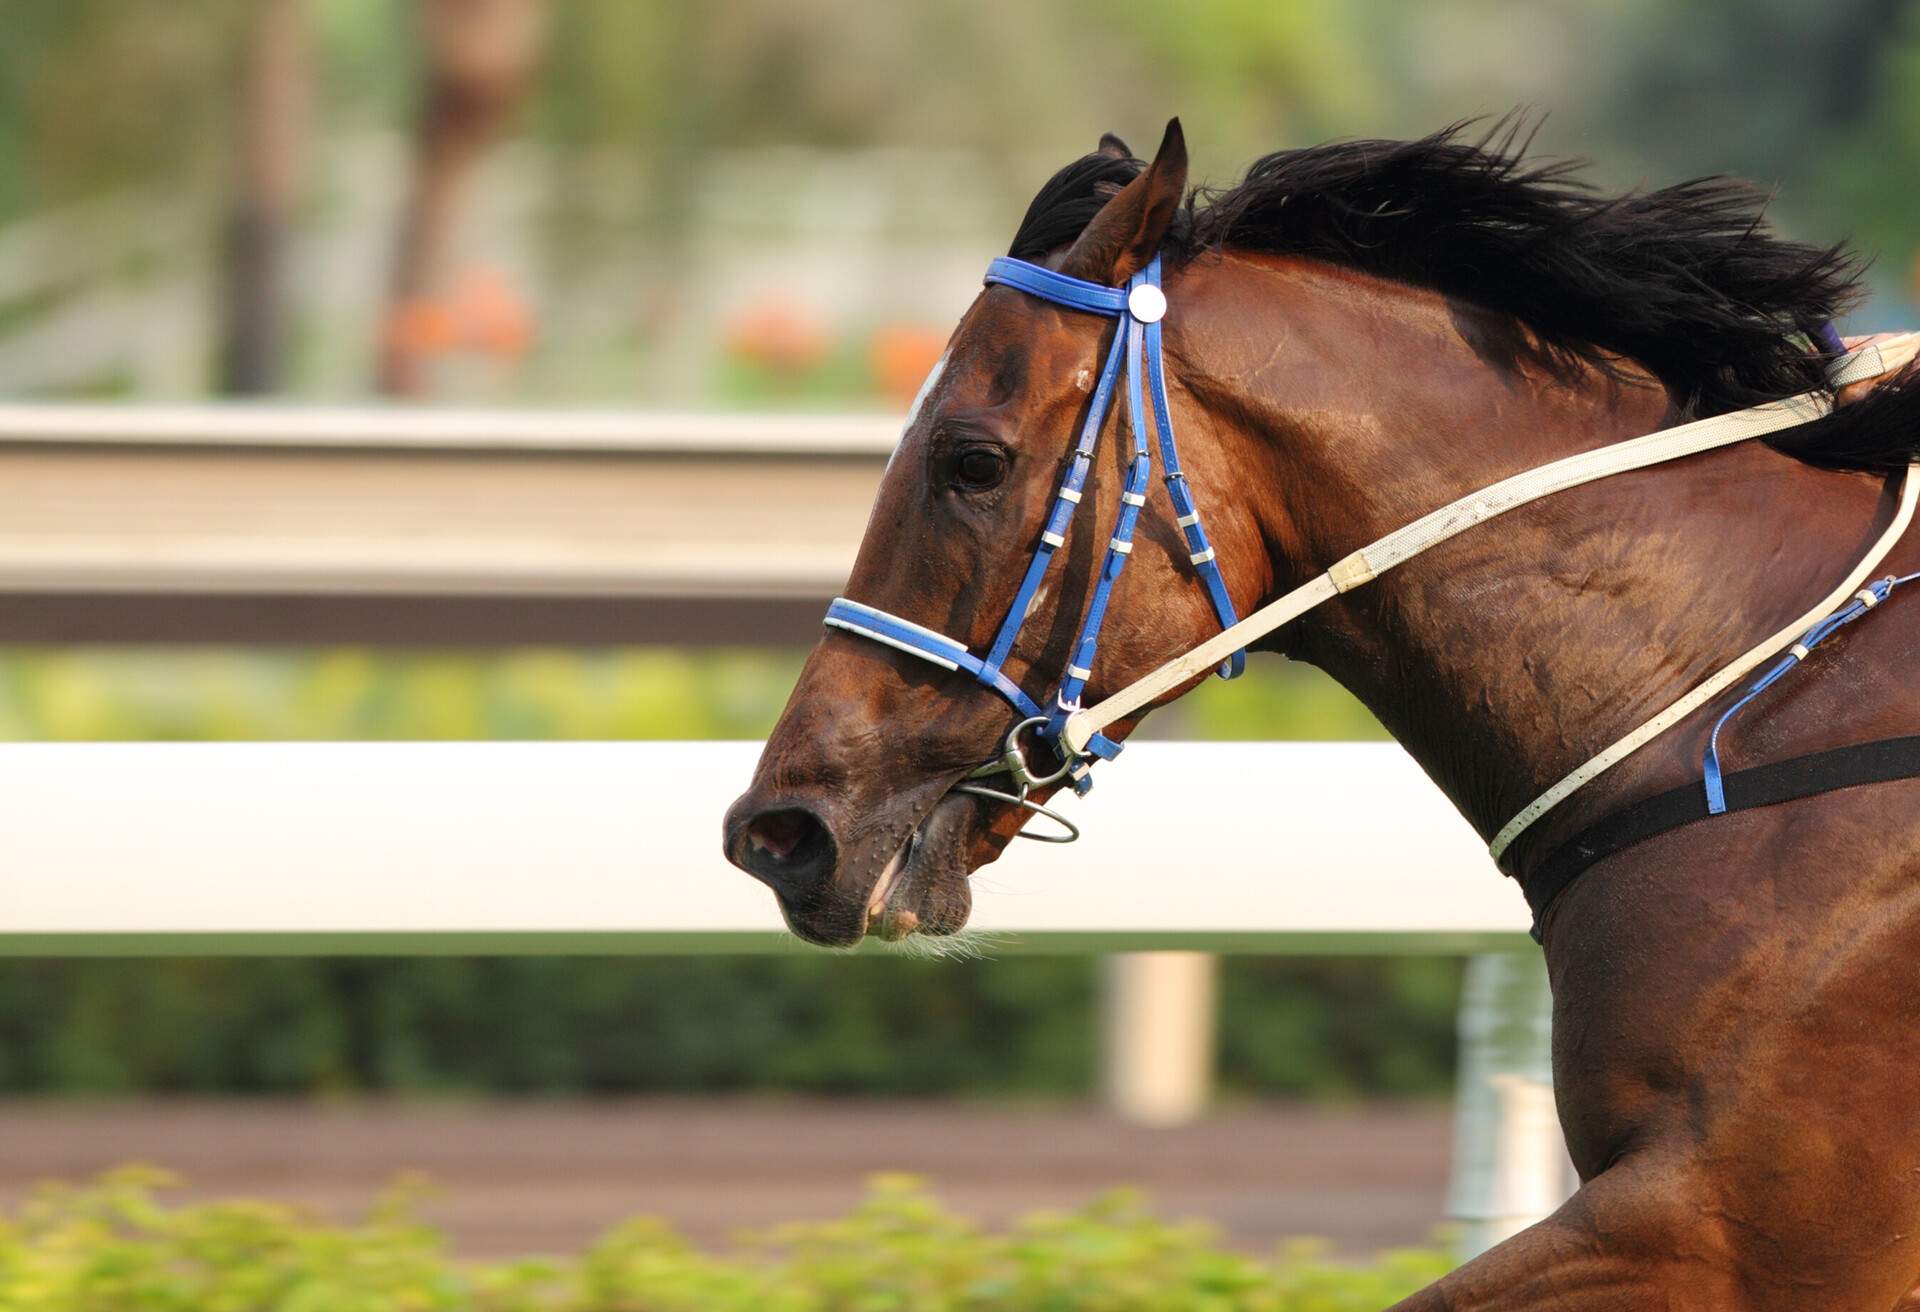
x=1505, y=657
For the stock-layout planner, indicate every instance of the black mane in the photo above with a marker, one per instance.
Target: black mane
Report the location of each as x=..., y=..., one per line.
x=1686, y=280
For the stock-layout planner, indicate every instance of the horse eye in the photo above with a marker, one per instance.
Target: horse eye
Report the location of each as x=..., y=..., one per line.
x=979, y=468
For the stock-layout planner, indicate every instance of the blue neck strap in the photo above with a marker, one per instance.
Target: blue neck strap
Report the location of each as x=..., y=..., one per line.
x=1139, y=306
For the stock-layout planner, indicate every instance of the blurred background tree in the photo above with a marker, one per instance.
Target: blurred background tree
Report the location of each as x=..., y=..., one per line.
x=270, y=121
x=633, y=177
x=479, y=56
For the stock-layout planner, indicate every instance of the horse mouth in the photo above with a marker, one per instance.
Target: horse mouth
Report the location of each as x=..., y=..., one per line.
x=923, y=888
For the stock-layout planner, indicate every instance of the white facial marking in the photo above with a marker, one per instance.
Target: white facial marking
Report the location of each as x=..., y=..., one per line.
x=919, y=400
x=1084, y=380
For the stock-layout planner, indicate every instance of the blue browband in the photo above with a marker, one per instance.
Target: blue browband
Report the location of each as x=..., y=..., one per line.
x=1140, y=305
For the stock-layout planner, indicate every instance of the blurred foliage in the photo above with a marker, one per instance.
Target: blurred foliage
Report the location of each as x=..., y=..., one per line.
x=355, y=694
x=643, y=104
x=802, y=1023
x=1275, y=699
x=115, y=1244
x=1339, y=1028
x=79, y=84
x=83, y=694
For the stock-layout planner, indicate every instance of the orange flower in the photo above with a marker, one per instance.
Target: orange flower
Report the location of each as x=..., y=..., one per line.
x=421, y=326
x=780, y=334
x=492, y=315
x=902, y=355
x=480, y=312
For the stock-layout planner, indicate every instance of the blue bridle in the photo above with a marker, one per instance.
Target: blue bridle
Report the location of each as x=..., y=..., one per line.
x=1140, y=305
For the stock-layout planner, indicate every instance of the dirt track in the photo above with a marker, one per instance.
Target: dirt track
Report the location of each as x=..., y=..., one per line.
x=545, y=1177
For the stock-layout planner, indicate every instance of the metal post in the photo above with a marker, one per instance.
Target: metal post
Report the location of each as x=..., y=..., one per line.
x=1159, y=1034
x=1510, y=1166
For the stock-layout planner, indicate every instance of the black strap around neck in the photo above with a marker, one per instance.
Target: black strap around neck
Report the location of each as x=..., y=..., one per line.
x=1764, y=785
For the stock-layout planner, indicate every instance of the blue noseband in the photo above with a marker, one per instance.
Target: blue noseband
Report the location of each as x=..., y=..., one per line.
x=1139, y=305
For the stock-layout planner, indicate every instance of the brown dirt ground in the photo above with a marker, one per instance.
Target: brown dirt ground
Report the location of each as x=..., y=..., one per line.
x=545, y=1177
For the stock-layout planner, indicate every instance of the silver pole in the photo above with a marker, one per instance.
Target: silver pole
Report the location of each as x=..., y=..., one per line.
x=1510, y=1165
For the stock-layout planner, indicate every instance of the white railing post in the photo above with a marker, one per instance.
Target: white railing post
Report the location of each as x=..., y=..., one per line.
x=1159, y=1028
x=1510, y=1164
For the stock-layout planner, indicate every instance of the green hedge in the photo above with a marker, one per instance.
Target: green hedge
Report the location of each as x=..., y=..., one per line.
x=114, y=1245
x=804, y=1023
x=350, y=693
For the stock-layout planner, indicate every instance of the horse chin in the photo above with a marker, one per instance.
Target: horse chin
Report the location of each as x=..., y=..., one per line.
x=924, y=888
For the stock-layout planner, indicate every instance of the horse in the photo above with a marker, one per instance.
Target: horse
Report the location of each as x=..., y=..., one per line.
x=1354, y=335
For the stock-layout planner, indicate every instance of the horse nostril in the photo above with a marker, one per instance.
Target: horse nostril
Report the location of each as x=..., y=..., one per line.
x=780, y=833
x=787, y=847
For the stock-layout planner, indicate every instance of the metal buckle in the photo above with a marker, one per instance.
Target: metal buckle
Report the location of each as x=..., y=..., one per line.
x=1013, y=763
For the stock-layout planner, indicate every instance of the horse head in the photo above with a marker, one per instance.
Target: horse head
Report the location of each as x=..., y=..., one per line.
x=855, y=817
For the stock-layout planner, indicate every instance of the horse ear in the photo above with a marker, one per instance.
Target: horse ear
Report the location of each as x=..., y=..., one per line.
x=1113, y=148
x=1128, y=231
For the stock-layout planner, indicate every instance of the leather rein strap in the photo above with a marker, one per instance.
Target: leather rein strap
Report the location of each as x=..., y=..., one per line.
x=1402, y=545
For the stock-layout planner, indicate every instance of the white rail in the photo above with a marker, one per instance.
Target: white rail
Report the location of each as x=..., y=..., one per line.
x=540, y=845
x=363, y=504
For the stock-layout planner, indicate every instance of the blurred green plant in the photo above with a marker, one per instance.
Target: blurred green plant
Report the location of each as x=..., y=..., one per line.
x=746, y=384
x=642, y=104
x=354, y=694
x=1274, y=699
x=103, y=694
x=114, y=1243
x=806, y=1023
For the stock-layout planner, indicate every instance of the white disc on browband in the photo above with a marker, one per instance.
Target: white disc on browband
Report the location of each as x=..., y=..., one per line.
x=1147, y=303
